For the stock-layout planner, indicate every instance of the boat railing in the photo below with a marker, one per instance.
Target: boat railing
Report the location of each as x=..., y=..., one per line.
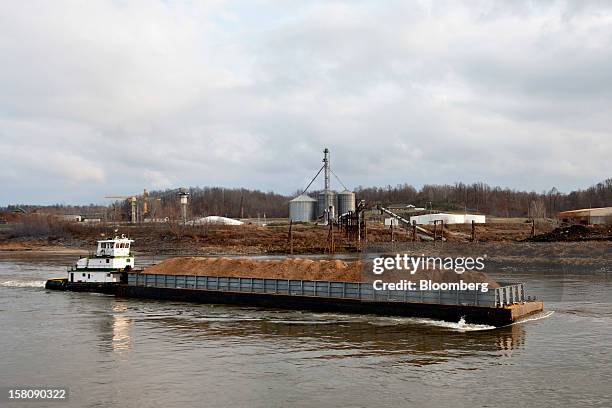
x=508, y=294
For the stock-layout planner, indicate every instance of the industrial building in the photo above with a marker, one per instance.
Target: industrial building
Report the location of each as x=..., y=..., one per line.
x=587, y=216
x=215, y=220
x=448, y=218
x=328, y=203
x=71, y=218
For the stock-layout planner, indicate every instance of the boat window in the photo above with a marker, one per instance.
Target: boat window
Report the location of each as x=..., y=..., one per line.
x=88, y=276
x=116, y=245
x=108, y=274
x=83, y=274
x=108, y=260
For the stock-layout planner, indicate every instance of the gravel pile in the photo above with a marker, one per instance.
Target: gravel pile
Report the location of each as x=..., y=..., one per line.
x=303, y=269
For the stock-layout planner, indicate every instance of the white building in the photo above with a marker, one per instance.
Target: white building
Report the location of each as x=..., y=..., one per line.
x=587, y=216
x=391, y=221
x=478, y=219
x=71, y=218
x=448, y=218
x=214, y=219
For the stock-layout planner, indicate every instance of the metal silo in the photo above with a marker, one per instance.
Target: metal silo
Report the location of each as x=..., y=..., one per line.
x=327, y=198
x=302, y=208
x=346, y=202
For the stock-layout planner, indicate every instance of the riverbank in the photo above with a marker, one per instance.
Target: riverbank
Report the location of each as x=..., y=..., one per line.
x=39, y=246
x=173, y=239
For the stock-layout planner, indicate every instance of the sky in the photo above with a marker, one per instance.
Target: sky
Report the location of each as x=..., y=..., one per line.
x=110, y=97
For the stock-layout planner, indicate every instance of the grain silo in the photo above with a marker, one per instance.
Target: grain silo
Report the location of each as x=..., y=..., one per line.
x=327, y=198
x=346, y=202
x=301, y=205
x=302, y=208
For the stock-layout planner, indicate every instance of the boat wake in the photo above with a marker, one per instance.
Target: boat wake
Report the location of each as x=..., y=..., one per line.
x=460, y=326
x=23, y=284
x=534, y=318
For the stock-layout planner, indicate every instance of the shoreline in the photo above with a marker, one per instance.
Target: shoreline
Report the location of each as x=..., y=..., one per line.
x=575, y=255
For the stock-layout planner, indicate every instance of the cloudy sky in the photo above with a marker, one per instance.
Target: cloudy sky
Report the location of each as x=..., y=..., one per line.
x=110, y=97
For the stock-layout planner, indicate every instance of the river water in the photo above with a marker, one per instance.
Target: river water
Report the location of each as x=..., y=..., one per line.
x=139, y=353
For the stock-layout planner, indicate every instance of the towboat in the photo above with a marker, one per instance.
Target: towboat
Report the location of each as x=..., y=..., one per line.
x=100, y=271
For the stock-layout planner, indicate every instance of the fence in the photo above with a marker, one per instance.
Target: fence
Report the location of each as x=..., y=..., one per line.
x=495, y=297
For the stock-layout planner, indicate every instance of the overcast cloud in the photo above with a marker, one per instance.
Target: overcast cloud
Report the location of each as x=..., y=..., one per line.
x=117, y=96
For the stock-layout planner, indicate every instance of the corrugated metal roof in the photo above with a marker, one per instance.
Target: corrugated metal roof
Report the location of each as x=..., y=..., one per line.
x=600, y=211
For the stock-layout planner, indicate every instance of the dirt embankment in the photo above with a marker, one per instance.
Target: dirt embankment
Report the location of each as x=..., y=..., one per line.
x=38, y=246
x=575, y=233
x=305, y=269
x=172, y=239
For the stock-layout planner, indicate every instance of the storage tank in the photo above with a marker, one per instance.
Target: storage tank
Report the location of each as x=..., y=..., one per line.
x=346, y=202
x=326, y=199
x=302, y=208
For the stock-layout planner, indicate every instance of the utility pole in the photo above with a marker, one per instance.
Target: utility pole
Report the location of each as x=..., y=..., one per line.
x=291, y=237
x=242, y=205
x=473, y=237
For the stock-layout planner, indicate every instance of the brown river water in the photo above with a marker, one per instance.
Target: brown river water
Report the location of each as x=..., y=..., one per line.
x=141, y=353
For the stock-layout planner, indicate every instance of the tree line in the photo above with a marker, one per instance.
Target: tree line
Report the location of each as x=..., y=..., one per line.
x=497, y=201
x=245, y=203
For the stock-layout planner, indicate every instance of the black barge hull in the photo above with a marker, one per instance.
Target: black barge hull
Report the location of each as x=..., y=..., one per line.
x=493, y=316
x=477, y=314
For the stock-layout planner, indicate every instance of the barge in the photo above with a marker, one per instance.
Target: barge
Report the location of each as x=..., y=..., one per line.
x=496, y=307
